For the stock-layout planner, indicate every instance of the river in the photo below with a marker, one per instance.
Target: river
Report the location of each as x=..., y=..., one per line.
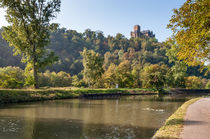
x=118, y=118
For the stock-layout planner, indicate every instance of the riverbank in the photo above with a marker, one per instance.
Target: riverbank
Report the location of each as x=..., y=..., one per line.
x=174, y=124
x=28, y=95
x=189, y=91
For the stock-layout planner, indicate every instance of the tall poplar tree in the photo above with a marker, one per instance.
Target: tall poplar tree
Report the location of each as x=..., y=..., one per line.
x=29, y=31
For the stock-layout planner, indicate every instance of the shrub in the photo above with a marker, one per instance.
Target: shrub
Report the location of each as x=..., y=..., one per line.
x=11, y=77
x=14, y=77
x=53, y=79
x=76, y=82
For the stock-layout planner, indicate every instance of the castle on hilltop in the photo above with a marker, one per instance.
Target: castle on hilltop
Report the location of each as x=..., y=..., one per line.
x=138, y=33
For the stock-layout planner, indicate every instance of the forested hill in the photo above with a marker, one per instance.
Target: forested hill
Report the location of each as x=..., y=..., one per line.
x=67, y=45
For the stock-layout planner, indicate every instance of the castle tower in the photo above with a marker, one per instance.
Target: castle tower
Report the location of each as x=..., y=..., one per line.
x=137, y=31
x=137, y=28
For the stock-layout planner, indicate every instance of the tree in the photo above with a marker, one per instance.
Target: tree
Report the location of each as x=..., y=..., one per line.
x=76, y=81
x=193, y=82
x=29, y=31
x=64, y=79
x=93, y=67
x=154, y=76
x=179, y=68
x=123, y=74
x=136, y=75
x=190, y=25
x=109, y=76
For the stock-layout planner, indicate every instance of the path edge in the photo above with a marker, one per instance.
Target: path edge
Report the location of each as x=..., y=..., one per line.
x=174, y=124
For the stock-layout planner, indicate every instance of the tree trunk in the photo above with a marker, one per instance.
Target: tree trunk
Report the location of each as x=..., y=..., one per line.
x=35, y=74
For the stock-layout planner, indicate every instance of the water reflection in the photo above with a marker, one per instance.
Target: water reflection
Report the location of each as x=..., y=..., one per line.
x=63, y=119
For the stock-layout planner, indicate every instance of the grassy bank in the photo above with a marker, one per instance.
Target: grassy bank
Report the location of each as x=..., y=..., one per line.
x=27, y=95
x=174, y=124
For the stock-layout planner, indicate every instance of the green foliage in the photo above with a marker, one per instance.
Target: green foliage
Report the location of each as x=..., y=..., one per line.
x=136, y=77
x=134, y=54
x=179, y=69
x=29, y=95
x=193, y=82
x=67, y=45
x=109, y=77
x=133, y=62
x=178, y=75
x=208, y=85
x=93, y=69
x=140, y=52
x=29, y=30
x=190, y=25
x=123, y=74
x=29, y=80
x=154, y=76
x=60, y=79
x=14, y=77
x=76, y=82
x=11, y=77
x=6, y=56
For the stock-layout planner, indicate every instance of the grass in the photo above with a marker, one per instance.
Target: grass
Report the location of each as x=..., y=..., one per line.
x=27, y=95
x=14, y=96
x=174, y=124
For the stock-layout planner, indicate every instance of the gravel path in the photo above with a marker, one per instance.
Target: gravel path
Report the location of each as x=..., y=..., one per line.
x=197, y=120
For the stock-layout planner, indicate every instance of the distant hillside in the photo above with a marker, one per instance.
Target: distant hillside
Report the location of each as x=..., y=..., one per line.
x=6, y=55
x=67, y=45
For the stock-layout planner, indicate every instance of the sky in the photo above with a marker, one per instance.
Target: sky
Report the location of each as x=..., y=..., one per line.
x=115, y=16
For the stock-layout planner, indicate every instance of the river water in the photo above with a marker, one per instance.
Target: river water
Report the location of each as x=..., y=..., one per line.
x=119, y=118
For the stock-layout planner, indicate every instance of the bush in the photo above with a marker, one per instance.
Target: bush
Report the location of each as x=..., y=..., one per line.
x=60, y=79
x=14, y=77
x=11, y=77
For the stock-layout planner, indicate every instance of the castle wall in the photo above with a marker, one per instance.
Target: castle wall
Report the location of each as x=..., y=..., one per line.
x=138, y=33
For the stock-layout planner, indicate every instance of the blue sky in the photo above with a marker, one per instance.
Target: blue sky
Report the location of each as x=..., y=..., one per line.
x=116, y=16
